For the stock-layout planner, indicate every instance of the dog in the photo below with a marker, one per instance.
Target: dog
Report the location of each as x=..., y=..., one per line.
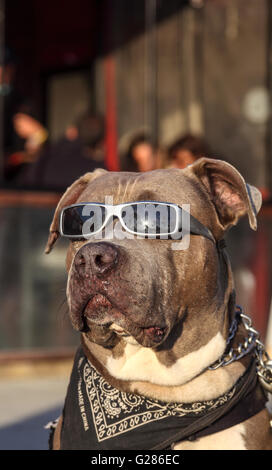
x=156, y=322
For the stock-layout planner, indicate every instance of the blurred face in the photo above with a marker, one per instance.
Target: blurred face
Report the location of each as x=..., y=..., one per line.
x=144, y=156
x=25, y=125
x=184, y=158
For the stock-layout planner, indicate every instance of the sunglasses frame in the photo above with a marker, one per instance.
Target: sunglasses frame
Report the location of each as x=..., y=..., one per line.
x=196, y=227
x=115, y=210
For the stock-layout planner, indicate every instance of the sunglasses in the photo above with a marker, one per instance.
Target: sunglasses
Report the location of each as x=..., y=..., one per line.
x=148, y=219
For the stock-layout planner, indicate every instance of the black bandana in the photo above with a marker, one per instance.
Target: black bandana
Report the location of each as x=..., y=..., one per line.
x=97, y=416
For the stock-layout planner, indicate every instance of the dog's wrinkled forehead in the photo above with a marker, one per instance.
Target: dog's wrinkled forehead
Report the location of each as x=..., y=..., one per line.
x=160, y=185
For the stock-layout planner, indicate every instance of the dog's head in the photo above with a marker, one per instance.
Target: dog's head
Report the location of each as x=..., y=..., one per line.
x=141, y=290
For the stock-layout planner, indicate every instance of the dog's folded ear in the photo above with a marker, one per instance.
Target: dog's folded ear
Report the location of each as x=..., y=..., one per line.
x=70, y=196
x=230, y=194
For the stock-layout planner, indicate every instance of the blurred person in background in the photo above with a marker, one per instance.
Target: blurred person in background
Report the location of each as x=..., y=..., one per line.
x=33, y=137
x=186, y=150
x=33, y=133
x=141, y=154
x=79, y=151
x=11, y=97
x=16, y=155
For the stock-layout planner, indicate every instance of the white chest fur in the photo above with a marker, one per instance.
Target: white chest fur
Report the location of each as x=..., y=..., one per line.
x=139, y=363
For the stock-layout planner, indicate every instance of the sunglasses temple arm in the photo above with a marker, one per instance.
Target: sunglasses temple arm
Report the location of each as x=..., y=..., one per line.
x=196, y=227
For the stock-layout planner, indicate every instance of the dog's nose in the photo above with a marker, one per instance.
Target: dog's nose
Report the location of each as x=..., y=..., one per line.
x=97, y=258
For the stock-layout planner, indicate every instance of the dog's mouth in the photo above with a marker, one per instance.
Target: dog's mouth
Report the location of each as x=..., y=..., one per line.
x=100, y=311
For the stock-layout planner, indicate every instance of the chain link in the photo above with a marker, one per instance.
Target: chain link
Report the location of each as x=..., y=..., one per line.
x=252, y=341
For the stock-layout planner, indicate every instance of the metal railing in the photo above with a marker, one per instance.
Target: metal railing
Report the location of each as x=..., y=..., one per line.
x=34, y=320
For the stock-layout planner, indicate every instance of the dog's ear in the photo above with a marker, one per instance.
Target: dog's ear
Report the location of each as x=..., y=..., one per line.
x=70, y=196
x=230, y=194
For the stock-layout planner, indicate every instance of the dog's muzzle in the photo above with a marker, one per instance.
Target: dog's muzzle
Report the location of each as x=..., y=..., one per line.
x=102, y=294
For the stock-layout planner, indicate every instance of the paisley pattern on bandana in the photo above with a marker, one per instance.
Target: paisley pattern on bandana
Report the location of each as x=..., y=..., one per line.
x=115, y=412
x=97, y=416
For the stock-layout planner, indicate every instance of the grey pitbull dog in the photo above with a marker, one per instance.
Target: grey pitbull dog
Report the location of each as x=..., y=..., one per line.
x=154, y=320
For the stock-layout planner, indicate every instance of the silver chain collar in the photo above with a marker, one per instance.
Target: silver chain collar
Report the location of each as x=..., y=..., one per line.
x=251, y=342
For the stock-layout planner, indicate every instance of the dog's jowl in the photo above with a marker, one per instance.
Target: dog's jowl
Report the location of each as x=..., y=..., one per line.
x=167, y=360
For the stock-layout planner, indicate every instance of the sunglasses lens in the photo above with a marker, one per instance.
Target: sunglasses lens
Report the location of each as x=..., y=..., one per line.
x=82, y=220
x=150, y=218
